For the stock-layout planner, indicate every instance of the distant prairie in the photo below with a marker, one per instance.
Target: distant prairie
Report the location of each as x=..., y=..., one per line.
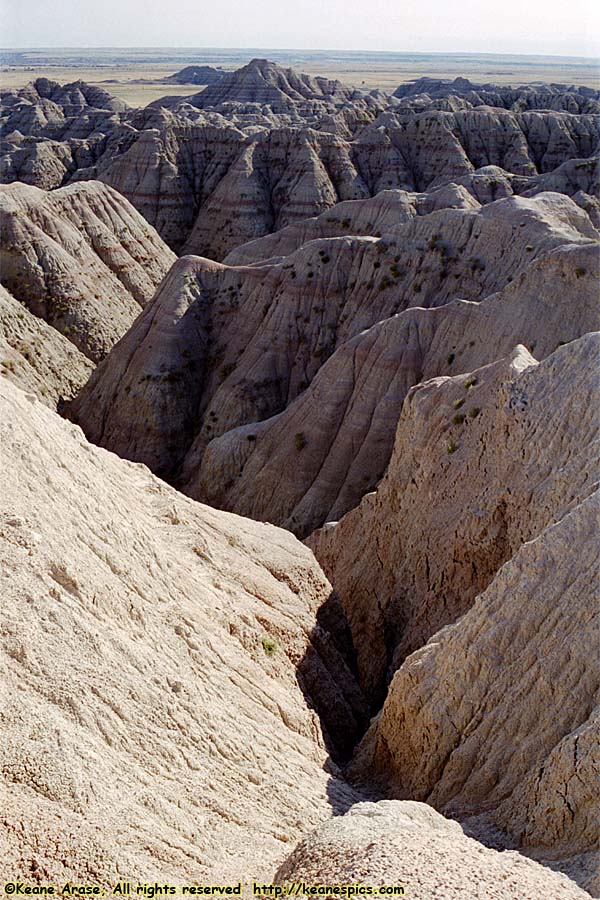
x=138, y=75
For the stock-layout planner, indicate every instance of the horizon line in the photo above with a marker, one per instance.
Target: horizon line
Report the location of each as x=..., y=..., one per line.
x=444, y=53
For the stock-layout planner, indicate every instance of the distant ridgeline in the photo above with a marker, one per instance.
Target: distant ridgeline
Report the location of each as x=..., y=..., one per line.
x=264, y=146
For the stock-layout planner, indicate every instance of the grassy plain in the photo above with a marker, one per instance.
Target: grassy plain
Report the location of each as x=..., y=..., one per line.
x=137, y=75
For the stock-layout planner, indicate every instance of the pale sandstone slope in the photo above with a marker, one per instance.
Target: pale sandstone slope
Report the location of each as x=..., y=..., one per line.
x=407, y=843
x=340, y=432
x=81, y=258
x=145, y=728
x=35, y=357
x=147, y=732
x=482, y=463
x=579, y=178
x=496, y=720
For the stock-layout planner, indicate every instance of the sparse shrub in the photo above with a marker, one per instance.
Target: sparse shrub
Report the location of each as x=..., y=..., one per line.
x=250, y=437
x=299, y=441
x=470, y=382
x=474, y=412
x=529, y=248
x=458, y=403
x=458, y=419
x=579, y=272
x=269, y=644
x=417, y=287
x=452, y=447
x=450, y=358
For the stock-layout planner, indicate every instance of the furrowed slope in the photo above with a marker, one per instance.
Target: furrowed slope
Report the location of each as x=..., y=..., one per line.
x=81, y=258
x=340, y=432
x=265, y=147
x=482, y=463
x=495, y=721
x=152, y=649
x=35, y=357
x=223, y=346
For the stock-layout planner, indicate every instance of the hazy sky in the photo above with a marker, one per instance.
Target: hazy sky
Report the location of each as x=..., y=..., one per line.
x=565, y=27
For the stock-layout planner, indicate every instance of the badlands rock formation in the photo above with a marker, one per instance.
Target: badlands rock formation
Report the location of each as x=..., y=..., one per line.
x=196, y=75
x=81, y=258
x=500, y=454
x=495, y=720
x=383, y=329
x=282, y=175
x=153, y=722
x=340, y=431
x=407, y=843
x=266, y=84
x=265, y=147
x=152, y=650
x=578, y=179
x=47, y=108
x=36, y=357
x=222, y=347
x=568, y=98
x=374, y=216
